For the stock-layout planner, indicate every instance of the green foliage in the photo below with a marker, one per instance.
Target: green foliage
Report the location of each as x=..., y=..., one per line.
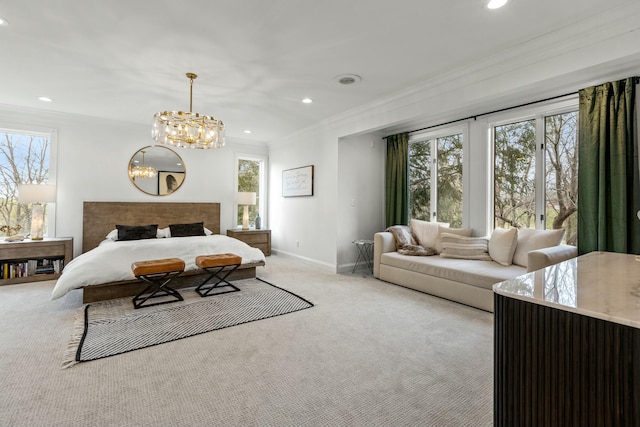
x=249, y=181
x=448, y=176
x=514, y=174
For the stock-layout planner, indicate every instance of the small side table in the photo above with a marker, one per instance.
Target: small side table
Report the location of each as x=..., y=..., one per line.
x=365, y=254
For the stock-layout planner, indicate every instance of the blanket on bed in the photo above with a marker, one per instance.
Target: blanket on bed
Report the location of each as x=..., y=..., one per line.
x=111, y=261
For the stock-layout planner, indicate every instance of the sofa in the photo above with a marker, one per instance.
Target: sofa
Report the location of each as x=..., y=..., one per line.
x=450, y=263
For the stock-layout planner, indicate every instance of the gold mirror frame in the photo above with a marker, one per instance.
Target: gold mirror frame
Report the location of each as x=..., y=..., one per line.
x=170, y=170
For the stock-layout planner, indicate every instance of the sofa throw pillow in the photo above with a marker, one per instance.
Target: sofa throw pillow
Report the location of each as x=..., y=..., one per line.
x=186, y=230
x=461, y=247
x=402, y=234
x=502, y=245
x=425, y=233
x=466, y=232
x=530, y=240
x=137, y=232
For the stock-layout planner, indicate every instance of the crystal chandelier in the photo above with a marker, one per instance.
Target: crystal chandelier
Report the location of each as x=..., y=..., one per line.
x=143, y=171
x=188, y=129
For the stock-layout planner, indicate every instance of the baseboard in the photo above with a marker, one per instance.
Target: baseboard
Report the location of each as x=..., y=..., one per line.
x=308, y=261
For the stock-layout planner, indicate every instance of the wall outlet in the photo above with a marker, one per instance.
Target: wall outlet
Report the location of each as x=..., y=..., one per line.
x=297, y=243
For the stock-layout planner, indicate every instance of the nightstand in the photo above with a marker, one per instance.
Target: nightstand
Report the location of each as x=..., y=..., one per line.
x=260, y=239
x=34, y=260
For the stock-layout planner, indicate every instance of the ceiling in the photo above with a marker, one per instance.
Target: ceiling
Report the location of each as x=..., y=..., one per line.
x=255, y=59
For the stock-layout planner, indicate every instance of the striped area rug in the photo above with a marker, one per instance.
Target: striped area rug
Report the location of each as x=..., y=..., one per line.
x=114, y=327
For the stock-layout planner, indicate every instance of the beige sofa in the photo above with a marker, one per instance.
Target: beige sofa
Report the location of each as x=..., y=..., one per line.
x=468, y=281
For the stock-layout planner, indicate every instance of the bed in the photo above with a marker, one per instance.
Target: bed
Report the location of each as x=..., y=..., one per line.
x=94, y=271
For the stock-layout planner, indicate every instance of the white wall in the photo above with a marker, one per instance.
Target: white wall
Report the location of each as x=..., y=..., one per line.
x=305, y=226
x=360, y=205
x=92, y=164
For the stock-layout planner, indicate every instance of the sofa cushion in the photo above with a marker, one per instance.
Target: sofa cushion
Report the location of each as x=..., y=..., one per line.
x=483, y=274
x=461, y=247
x=459, y=231
x=502, y=245
x=530, y=240
x=425, y=232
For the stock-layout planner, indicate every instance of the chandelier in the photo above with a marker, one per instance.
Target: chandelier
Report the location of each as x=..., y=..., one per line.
x=187, y=129
x=143, y=171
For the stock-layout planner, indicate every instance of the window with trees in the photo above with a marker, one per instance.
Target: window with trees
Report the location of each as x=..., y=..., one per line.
x=536, y=173
x=251, y=178
x=24, y=159
x=436, y=160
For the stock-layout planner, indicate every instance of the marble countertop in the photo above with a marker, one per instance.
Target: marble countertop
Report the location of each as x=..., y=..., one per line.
x=602, y=285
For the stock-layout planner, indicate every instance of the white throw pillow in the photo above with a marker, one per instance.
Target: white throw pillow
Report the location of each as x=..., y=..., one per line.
x=466, y=232
x=425, y=233
x=461, y=247
x=502, y=245
x=113, y=235
x=530, y=240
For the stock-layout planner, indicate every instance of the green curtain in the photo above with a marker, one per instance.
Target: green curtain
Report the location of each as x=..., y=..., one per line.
x=397, y=179
x=608, y=181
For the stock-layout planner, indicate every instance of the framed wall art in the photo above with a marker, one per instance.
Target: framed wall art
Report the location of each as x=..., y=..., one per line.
x=168, y=182
x=297, y=182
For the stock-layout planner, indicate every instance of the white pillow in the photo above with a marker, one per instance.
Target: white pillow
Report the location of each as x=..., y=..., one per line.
x=530, y=240
x=466, y=232
x=163, y=233
x=461, y=247
x=166, y=232
x=502, y=245
x=425, y=232
x=113, y=235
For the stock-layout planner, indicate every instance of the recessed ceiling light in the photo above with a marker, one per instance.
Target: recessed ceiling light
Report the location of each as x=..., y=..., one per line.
x=3, y=22
x=247, y=131
x=307, y=100
x=496, y=4
x=45, y=99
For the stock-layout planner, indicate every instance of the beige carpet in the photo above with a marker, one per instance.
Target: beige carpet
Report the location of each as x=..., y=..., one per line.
x=368, y=354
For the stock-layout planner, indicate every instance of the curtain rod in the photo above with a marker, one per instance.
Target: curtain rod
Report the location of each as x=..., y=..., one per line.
x=636, y=80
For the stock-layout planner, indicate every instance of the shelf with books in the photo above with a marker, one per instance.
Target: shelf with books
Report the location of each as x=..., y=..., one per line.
x=30, y=261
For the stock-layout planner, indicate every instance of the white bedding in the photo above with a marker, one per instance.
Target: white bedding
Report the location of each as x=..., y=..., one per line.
x=111, y=261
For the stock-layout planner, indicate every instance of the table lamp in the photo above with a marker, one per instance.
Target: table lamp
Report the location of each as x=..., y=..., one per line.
x=37, y=194
x=246, y=199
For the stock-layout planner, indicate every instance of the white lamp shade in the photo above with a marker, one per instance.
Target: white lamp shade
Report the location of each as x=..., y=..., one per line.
x=245, y=198
x=36, y=193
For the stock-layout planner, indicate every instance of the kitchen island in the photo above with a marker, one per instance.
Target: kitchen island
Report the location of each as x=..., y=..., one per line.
x=567, y=344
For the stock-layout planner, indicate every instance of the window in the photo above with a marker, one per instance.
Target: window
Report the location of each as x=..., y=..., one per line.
x=438, y=160
x=536, y=173
x=24, y=158
x=251, y=178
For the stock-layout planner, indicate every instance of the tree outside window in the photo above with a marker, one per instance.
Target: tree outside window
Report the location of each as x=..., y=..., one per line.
x=24, y=159
x=517, y=188
x=446, y=171
x=250, y=178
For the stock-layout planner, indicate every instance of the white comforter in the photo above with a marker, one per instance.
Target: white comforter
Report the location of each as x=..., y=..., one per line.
x=111, y=261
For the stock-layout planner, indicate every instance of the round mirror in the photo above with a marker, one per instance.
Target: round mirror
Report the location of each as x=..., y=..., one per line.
x=156, y=170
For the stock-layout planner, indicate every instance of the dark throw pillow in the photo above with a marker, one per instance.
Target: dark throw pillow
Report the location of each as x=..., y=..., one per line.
x=137, y=232
x=185, y=230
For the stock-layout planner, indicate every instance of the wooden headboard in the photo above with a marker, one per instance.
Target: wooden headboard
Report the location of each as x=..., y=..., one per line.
x=99, y=218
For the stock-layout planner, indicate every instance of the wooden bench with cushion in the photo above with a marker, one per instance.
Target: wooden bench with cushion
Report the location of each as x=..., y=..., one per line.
x=219, y=266
x=158, y=273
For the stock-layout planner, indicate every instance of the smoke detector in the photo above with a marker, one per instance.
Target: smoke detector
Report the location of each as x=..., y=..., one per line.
x=348, y=79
